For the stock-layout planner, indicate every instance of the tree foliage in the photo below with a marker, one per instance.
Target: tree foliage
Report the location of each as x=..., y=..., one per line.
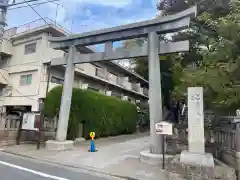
x=213, y=58
x=141, y=67
x=216, y=54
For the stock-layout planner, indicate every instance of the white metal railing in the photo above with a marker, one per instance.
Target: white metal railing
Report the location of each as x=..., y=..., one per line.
x=32, y=25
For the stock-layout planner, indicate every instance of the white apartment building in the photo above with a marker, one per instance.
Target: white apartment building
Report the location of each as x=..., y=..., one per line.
x=24, y=68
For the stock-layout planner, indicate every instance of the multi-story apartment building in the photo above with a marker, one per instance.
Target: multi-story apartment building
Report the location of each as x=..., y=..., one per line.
x=24, y=69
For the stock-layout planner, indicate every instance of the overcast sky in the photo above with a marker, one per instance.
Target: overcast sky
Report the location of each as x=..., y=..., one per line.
x=85, y=15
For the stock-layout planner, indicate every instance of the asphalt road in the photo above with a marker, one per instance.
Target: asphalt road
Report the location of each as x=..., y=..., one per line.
x=14, y=167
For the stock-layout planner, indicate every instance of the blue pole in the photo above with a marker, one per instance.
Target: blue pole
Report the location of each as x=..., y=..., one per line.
x=92, y=146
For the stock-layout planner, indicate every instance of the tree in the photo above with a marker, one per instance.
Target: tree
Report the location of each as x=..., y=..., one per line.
x=141, y=67
x=220, y=54
x=174, y=6
x=209, y=62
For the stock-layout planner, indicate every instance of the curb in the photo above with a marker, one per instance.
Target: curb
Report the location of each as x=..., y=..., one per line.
x=86, y=168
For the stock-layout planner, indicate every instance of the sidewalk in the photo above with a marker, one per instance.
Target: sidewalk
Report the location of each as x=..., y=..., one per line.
x=117, y=156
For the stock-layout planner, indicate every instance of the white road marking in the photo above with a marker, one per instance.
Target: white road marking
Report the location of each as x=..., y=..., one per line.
x=32, y=171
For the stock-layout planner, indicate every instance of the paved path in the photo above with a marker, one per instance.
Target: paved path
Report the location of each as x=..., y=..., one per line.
x=116, y=156
x=14, y=167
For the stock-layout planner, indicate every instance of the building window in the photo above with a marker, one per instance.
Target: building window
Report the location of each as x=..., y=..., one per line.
x=26, y=79
x=30, y=48
x=57, y=80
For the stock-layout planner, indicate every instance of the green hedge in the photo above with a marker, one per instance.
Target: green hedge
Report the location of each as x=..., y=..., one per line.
x=106, y=116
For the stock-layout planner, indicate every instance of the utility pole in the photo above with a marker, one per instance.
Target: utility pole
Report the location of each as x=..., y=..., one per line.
x=3, y=11
x=56, y=14
x=4, y=4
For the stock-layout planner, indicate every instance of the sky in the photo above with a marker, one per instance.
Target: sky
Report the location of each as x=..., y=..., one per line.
x=86, y=15
x=83, y=15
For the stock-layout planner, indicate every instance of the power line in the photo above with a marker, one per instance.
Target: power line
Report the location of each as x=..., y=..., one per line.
x=23, y=2
x=56, y=3
x=34, y=4
x=36, y=12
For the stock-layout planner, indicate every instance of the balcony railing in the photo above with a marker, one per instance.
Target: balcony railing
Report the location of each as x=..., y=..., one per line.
x=101, y=73
x=120, y=81
x=32, y=25
x=145, y=91
x=135, y=87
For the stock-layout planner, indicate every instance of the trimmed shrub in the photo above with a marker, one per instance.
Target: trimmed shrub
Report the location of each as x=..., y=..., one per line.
x=106, y=116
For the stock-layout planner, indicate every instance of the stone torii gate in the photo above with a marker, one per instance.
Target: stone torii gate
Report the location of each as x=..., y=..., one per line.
x=149, y=29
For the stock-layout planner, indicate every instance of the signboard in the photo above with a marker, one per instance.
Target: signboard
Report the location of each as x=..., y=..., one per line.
x=92, y=135
x=164, y=128
x=31, y=121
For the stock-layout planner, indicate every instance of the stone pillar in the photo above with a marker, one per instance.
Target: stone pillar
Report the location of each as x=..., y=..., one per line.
x=155, y=95
x=61, y=143
x=196, y=155
x=66, y=96
x=196, y=140
x=237, y=121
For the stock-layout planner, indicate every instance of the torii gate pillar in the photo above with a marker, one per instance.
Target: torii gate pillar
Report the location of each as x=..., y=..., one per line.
x=155, y=94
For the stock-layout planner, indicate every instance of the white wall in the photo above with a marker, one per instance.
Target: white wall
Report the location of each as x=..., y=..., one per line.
x=23, y=64
x=20, y=64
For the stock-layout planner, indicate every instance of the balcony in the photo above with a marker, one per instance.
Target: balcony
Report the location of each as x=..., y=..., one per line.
x=6, y=47
x=120, y=81
x=112, y=78
x=145, y=91
x=136, y=87
x=101, y=73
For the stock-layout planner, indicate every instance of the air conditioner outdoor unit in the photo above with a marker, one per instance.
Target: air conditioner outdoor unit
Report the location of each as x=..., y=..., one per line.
x=108, y=93
x=125, y=98
x=84, y=86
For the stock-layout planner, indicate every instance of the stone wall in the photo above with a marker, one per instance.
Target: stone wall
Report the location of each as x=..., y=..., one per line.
x=8, y=137
x=221, y=142
x=179, y=171
x=9, y=126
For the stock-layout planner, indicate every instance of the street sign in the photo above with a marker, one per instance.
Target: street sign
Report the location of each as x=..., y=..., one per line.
x=92, y=135
x=92, y=145
x=31, y=121
x=164, y=128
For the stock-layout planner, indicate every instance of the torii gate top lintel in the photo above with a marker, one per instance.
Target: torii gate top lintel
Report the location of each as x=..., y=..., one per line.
x=167, y=24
